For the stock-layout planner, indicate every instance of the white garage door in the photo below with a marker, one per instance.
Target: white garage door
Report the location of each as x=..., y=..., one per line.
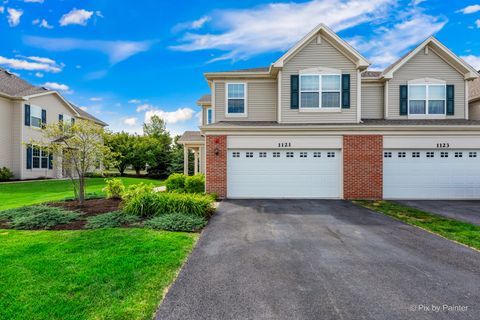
x=431, y=174
x=283, y=173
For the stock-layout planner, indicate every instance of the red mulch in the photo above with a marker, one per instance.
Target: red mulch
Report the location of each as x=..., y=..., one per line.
x=90, y=208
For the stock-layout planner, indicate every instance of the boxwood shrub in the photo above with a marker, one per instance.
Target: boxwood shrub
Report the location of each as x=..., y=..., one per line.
x=154, y=204
x=177, y=222
x=195, y=184
x=176, y=182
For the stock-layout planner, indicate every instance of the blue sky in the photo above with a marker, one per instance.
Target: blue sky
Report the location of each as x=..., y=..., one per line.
x=124, y=61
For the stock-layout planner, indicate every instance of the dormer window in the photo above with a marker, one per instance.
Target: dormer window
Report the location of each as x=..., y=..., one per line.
x=320, y=91
x=427, y=97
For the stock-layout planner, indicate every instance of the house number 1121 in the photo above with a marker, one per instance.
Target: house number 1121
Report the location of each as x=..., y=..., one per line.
x=284, y=144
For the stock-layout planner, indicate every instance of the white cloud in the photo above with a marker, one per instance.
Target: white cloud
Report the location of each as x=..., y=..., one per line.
x=134, y=101
x=99, y=14
x=116, y=50
x=470, y=9
x=38, y=74
x=76, y=16
x=96, y=99
x=387, y=44
x=33, y=1
x=42, y=60
x=277, y=26
x=474, y=61
x=170, y=117
x=57, y=86
x=144, y=107
x=477, y=23
x=130, y=121
x=197, y=24
x=84, y=108
x=44, y=24
x=30, y=64
x=2, y=9
x=14, y=16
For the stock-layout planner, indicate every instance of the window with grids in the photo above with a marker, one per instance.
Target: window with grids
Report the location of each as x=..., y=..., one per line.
x=458, y=154
x=40, y=158
x=249, y=154
x=426, y=99
x=472, y=154
x=430, y=154
x=262, y=154
x=387, y=154
x=443, y=154
x=236, y=98
x=320, y=91
x=402, y=154
x=289, y=154
x=330, y=154
x=317, y=154
x=415, y=154
x=236, y=154
x=303, y=154
x=276, y=154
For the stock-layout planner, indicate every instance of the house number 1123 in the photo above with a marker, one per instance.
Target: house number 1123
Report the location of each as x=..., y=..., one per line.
x=443, y=145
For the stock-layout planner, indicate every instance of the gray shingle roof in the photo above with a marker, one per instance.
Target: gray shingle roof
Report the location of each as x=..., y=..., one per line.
x=371, y=74
x=372, y=122
x=205, y=99
x=14, y=86
x=191, y=136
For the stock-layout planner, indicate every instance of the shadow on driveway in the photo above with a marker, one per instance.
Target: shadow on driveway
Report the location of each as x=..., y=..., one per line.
x=321, y=259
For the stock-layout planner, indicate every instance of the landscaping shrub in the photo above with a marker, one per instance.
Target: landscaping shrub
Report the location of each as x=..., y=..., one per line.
x=5, y=174
x=37, y=217
x=195, y=184
x=110, y=220
x=135, y=189
x=154, y=204
x=176, y=182
x=114, y=188
x=177, y=222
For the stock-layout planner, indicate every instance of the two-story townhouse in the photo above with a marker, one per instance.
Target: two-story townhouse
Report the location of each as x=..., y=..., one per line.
x=24, y=110
x=317, y=124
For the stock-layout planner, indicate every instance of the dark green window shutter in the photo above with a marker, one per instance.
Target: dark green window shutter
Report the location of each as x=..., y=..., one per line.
x=29, y=157
x=345, y=91
x=60, y=118
x=50, y=161
x=44, y=118
x=73, y=121
x=450, y=99
x=27, y=115
x=403, y=100
x=294, y=91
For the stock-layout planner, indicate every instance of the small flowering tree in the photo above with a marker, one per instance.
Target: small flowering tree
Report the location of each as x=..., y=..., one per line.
x=79, y=148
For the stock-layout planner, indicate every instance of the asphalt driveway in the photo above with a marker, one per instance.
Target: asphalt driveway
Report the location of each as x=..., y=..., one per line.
x=465, y=210
x=320, y=259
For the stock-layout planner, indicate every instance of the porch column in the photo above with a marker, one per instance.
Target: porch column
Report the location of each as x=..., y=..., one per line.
x=195, y=166
x=185, y=160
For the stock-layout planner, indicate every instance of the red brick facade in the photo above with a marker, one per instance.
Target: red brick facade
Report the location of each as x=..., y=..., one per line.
x=216, y=165
x=363, y=167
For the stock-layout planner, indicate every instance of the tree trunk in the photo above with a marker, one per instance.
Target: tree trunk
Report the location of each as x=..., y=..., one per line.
x=81, y=190
x=137, y=171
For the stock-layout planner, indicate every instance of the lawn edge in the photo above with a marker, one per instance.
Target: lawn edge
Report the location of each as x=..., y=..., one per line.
x=413, y=225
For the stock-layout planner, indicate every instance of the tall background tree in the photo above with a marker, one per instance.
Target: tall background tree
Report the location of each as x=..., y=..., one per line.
x=160, y=148
x=120, y=143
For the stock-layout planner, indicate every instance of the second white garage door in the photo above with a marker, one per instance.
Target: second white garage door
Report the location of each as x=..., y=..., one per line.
x=431, y=174
x=283, y=173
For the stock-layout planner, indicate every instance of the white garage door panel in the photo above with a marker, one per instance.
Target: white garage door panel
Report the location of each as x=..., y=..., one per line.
x=431, y=174
x=283, y=177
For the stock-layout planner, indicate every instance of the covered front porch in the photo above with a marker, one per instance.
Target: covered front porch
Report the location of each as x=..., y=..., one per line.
x=193, y=143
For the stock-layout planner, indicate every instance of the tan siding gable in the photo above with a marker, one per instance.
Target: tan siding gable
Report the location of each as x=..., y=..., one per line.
x=311, y=56
x=426, y=66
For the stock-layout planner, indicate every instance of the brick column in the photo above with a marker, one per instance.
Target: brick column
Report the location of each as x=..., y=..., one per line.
x=216, y=166
x=363, y=167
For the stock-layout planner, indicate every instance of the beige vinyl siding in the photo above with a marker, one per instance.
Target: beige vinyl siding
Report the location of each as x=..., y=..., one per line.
x=474, y=111
x=426, y=66
x=372, y=101
x=17, y=146
x=6, y=107
x=311, y=56
x=261, y=101
x=204, y=115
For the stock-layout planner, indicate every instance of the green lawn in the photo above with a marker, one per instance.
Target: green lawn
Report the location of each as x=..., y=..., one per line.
x=18, y=194
x=459, y=231
x=99, y=274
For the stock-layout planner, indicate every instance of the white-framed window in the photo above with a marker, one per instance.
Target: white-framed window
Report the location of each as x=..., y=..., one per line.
x=40, y=158
x=262, y=154
x=443, y=154
x=458, y=154
x=416, y=154
x=330, y=154
x=289, y=154
x=249, y=154
x=430, y=154
x=427, y=97
x=35, y=116
x=387, y=154
x=303, y=154
x=472, y=154
x=236, y=154
x=402, y=154
x=236, y=100
x=209, y=115
x=276, y=154
x=317, y=154
x=319, y=91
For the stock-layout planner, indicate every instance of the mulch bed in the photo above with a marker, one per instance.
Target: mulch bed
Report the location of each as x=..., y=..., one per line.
x=90, y=208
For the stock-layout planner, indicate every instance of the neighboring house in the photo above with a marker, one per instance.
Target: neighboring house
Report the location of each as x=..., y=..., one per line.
x=317, y=124
x=474, y=99
x=24, y=109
